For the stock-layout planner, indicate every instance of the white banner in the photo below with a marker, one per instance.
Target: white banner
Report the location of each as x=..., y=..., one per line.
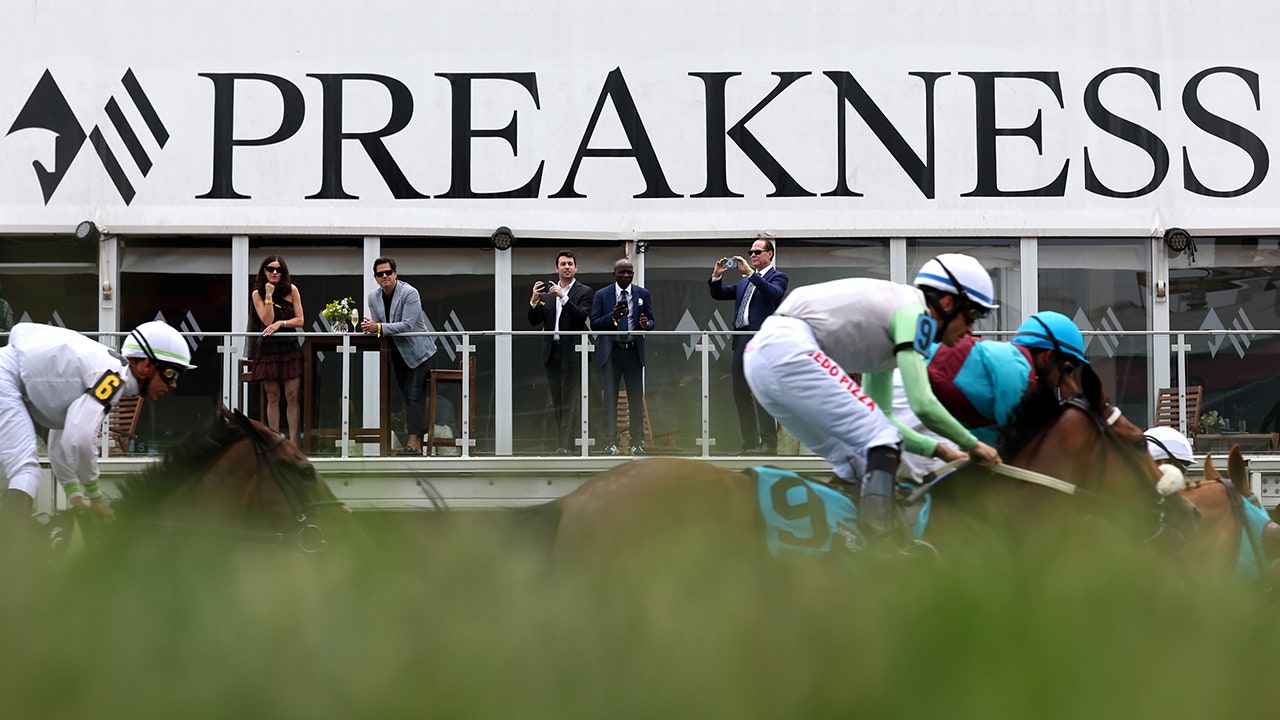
x=572, y=119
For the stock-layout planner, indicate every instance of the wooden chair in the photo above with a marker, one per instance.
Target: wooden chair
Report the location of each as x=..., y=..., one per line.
x=657, y=443
x=1168, y=411
x=122, y=425
x=244, y=371
x=434, y=380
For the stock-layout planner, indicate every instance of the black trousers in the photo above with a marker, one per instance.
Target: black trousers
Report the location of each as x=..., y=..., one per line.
x=411, y=382
x=757, y=425
x=624, y=365
x=564, y=379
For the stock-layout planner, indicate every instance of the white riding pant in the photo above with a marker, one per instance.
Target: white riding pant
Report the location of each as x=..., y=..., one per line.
x=813, y=397
x=19, y=456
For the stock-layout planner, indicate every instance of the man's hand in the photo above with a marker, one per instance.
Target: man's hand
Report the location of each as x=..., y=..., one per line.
x=985, y=454
x=949, y=453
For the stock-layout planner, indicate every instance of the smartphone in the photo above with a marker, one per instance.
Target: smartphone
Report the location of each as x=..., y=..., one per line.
x=546, y=286
x=729, y=263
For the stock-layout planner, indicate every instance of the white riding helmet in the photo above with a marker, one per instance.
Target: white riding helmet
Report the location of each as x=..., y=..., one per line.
x=946, y=270
x=1165, y=443
x=158, y=342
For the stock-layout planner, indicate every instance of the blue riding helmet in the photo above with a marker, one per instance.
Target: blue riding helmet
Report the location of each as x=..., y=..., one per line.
x=1051, y=331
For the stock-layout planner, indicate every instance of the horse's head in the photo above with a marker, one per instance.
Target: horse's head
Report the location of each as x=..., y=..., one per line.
x=239, y=480
x=1091, y=443
x=288, y=492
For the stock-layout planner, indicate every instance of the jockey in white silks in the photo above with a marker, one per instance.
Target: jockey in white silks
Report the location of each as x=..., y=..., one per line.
x=59, y=383
x=801, y=362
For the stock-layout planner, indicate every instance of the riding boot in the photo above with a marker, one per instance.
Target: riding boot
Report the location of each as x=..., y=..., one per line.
x=15, y=514
x=875, y=509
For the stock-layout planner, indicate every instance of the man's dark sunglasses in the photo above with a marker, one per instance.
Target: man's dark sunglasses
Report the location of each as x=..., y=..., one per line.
x=976, y=312
x=384, y=273
x=757, y=252
x=169, y=373
x=272, y=268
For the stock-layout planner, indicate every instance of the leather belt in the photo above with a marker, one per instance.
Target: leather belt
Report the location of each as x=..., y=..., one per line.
x=627, y=344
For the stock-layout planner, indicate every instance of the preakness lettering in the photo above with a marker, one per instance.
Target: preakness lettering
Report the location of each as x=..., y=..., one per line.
x=917, y=160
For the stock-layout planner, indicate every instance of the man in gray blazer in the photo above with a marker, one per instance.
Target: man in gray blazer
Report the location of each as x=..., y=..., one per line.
x=395, y=308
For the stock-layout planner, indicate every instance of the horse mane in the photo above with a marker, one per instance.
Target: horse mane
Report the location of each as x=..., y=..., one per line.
x=1039, y=407
x=183, y=463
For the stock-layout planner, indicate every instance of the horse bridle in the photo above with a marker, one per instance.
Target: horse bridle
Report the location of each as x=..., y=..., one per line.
x=1104, y=426
x=309, y=536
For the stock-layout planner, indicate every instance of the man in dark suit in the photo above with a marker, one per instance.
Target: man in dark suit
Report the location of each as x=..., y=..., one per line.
x=755, y=298
x=562, y=307
x=625, y=308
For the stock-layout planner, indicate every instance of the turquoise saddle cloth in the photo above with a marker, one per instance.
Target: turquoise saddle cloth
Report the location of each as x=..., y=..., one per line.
x=805, y=518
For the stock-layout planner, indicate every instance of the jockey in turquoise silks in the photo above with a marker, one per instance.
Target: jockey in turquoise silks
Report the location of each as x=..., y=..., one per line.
x=981, y=382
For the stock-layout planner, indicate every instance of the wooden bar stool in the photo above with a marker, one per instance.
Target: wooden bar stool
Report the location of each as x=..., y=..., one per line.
x=435, y=379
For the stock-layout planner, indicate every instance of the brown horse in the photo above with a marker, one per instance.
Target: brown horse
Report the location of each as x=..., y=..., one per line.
x=233, y=481
x=1084, y=440
x=1227, y=544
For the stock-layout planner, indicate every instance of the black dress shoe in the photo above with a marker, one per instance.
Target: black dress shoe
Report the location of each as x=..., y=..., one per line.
x=562, y=451
x=637, y=450
x=610, y=449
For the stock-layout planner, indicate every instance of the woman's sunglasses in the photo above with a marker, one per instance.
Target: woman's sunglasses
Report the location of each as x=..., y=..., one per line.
x=272, y=268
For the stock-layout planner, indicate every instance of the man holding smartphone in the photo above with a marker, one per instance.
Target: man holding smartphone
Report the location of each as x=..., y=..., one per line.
x=623, y=310
x=562, y=308
x=756, y=296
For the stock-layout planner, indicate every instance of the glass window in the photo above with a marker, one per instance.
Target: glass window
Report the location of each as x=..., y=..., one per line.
x=50, y=280
x=1231, y=286
x=456, y=282
x=1001, y=258
x=677, y=275
x=1101, y=284
x=187, y=283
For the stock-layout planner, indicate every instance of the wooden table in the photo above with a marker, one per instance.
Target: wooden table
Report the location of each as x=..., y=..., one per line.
x=1248, y=442
x=310, y=409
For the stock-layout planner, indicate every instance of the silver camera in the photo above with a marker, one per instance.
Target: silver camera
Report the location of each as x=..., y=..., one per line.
x=729, y=263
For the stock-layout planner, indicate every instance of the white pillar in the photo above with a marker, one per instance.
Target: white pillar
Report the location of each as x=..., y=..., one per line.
x=502, y=357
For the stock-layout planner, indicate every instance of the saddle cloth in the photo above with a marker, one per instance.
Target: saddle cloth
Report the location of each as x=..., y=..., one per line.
x=803, y=517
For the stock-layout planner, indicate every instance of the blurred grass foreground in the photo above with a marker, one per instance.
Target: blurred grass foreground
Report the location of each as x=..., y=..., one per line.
x=441, y=619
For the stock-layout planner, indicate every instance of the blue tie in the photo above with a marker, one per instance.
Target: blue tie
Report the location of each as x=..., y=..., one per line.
x=740, y=320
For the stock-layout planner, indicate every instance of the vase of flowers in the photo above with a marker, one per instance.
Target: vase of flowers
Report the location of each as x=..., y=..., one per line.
x=1211, y=421
x=342, y=315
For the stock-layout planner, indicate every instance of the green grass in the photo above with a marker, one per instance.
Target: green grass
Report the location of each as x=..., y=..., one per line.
x=460, y=623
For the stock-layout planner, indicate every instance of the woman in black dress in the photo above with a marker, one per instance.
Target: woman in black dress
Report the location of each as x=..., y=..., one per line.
x=277, y=312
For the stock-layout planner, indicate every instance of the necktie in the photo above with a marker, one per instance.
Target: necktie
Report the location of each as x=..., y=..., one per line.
x=625, y=322
x=740, y=321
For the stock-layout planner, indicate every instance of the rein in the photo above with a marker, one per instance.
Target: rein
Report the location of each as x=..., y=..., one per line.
x=1036, y=478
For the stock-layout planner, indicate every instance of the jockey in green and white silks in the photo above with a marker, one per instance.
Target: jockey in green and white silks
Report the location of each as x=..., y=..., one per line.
x=800, y=366
x=981, y=382
x=57, y=380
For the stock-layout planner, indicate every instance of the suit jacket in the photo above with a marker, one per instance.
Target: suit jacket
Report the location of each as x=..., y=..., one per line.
x=767, y=298
x=573, y=318
x=602, y=318
x=406, y=316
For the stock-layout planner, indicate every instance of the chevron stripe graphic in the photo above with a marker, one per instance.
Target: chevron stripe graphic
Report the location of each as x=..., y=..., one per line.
x=47, y=109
